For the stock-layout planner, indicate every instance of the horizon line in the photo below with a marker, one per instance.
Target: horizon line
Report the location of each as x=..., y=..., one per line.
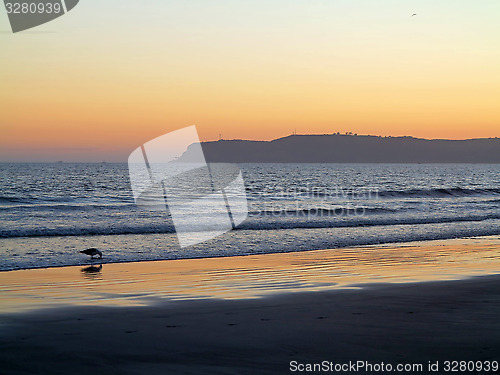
x=349, y=134
x=61, y=159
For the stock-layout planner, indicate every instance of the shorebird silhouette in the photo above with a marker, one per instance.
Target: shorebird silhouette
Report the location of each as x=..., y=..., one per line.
x=414, y=14
x=92, y=252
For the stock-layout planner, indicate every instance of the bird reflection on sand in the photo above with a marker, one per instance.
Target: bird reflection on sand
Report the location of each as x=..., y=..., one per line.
x=92, y=272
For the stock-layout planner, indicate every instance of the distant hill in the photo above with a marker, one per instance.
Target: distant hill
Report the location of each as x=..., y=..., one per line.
x=339, y=148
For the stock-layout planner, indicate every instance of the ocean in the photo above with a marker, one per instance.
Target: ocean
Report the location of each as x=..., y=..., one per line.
x=48, y=212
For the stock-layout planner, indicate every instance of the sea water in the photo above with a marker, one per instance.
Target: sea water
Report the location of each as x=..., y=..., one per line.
x=48, y=212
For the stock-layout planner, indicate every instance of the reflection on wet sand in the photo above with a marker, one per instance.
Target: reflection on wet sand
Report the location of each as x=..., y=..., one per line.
x=253, y=276
x=92, y=271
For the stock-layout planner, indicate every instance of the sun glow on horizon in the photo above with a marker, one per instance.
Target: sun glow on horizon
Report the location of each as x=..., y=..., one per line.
x=95, y=84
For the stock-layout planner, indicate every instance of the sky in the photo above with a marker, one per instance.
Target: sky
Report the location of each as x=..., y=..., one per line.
x=111, y=75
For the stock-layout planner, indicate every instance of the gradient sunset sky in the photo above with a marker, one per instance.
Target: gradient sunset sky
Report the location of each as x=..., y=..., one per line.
x=110, y=75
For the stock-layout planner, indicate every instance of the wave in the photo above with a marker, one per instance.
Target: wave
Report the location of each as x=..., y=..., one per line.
x=374, y=193
x=359, y=222
x=125, y=249
x=293, y=195
x=438, y=193
x=85, y=231
x=61, y=201
x=252, y=224
x=10, y=200
x=70, y=207
x=315, y=212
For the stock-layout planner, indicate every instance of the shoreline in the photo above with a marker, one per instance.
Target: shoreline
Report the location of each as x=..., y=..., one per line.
x=255, y=314
x=391, y=323
x=416, y=242
x=247, y=276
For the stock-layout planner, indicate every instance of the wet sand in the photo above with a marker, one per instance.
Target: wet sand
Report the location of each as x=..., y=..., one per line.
x=211, y=331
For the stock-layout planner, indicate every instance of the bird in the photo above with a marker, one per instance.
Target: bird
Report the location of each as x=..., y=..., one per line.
x=414, y=14
x=92, y=252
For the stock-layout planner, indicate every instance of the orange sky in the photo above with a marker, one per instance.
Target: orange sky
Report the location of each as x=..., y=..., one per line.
x=98, y=82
